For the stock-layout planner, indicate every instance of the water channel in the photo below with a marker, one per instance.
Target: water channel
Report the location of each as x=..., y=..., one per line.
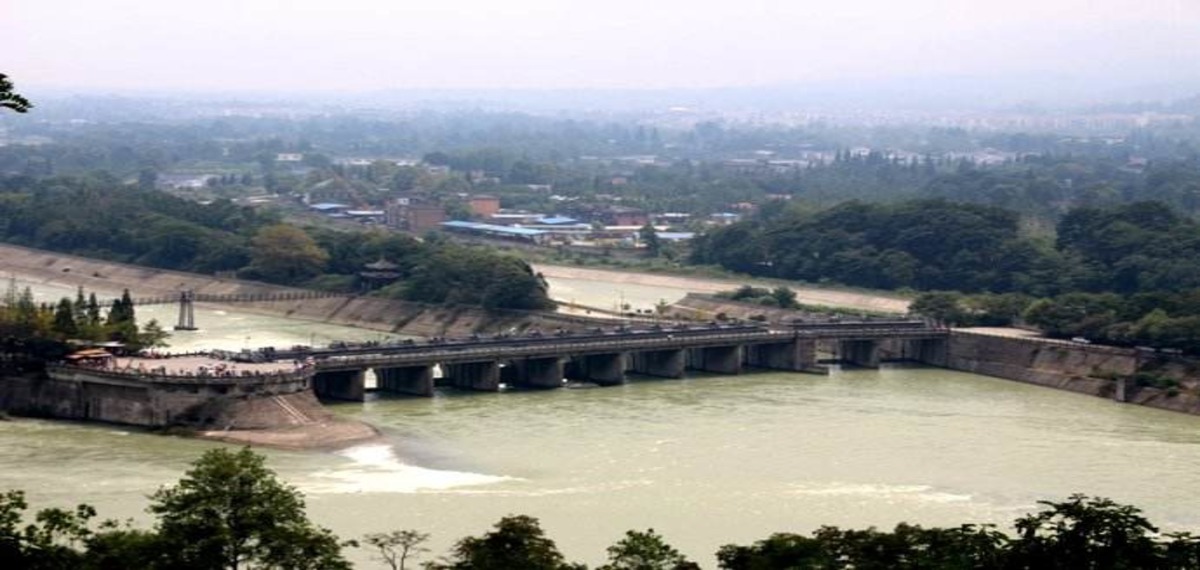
x=705, y=461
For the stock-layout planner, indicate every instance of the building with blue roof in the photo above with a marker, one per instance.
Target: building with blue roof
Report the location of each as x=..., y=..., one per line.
x=556, y=221
x=328, y=207
x=495, y=231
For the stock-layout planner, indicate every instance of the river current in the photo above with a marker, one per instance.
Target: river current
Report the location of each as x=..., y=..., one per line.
x=705, y=461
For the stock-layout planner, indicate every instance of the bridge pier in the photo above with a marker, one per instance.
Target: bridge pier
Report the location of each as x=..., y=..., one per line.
x=863, y=353
x=479, y=376
x=662, y=363
x=339, y=385
x=603, y=369
x=1125, y=387
x=719, y=359
x=413, y=380
x=799, y=355
x=932, y=351
x=541, y=373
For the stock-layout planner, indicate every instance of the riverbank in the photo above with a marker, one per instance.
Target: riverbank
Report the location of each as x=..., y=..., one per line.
x=372, y=313
x=678, y=286
x=1000, y=360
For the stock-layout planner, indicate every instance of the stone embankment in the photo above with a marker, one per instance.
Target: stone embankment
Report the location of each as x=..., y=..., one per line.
x=273, y=407
x=1103, y=371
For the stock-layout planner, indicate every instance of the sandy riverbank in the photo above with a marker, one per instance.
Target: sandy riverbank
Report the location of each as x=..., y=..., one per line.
x=326, y=435
x=878, y=302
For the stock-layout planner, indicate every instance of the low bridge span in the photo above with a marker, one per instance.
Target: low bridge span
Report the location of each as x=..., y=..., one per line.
x=184, y=297
x=605, y=358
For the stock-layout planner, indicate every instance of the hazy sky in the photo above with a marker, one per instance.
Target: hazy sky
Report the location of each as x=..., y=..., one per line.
x=388, y=44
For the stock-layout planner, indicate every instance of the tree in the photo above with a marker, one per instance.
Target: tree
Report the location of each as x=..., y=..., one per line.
x=122, y=320
x=649, y=237
x=645, y=551
x=939, y=305
x=49, y=542
x=1085, y=532
x=395, y=547
x=784, y=296
x=9, y=99
x=229, y=512
x=285, y=254
x=516, y=542
x=153, y=335
x=64, y=319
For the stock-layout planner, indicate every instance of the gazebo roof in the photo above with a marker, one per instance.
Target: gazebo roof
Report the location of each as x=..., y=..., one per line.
x=381, y=265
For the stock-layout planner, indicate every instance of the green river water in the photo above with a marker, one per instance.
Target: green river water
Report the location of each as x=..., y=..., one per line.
x=705, y=461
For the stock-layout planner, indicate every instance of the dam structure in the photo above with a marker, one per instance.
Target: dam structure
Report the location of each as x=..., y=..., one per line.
x=605, y=357
x=271, y=388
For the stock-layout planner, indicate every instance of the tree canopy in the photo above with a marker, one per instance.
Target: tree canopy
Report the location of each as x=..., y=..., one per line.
x=229, y=511
x=10, y=99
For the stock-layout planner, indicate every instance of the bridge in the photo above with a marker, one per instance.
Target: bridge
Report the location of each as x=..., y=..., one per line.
x=605, y=357
x=188, y=298
x=191, y=296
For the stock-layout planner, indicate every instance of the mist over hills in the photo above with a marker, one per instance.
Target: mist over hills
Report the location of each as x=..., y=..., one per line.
x=1031, y=93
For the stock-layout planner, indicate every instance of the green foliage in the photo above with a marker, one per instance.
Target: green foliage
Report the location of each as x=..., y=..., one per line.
x=983, y=309
x=918, y=244
x=908, y=546
x=40, y=330
x=930, y=245
x=780, y=296
x=1163, y=320
x=461, y=275
x=50, y=542
x=1084, y=532
x=229, y=511
x=97, y=217
x=10, y=99
x=649, y=238
x=396, y=547
x=285, y=254
x=116, y=548
x=1139, y=247
x=1081, y=532
x=645, y=551
x=517, y=542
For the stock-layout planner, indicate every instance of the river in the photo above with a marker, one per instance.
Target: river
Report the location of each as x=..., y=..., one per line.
x=704, y=461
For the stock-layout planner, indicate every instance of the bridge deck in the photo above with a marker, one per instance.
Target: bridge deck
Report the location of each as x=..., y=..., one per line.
x=558, y=346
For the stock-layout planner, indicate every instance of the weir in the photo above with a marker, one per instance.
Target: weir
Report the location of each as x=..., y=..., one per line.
x=540, y=373
x=799, y=355
x=478, y=376
x=933, y=351
x=863, y=353
x=603, y=369
x=411, y=380
x=661, y=363
x=719, y=359
x=606, y=356
x=340, y=385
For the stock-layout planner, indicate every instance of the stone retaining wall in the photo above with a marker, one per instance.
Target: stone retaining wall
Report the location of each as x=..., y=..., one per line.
x=1084, y=368
x=81, y=394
